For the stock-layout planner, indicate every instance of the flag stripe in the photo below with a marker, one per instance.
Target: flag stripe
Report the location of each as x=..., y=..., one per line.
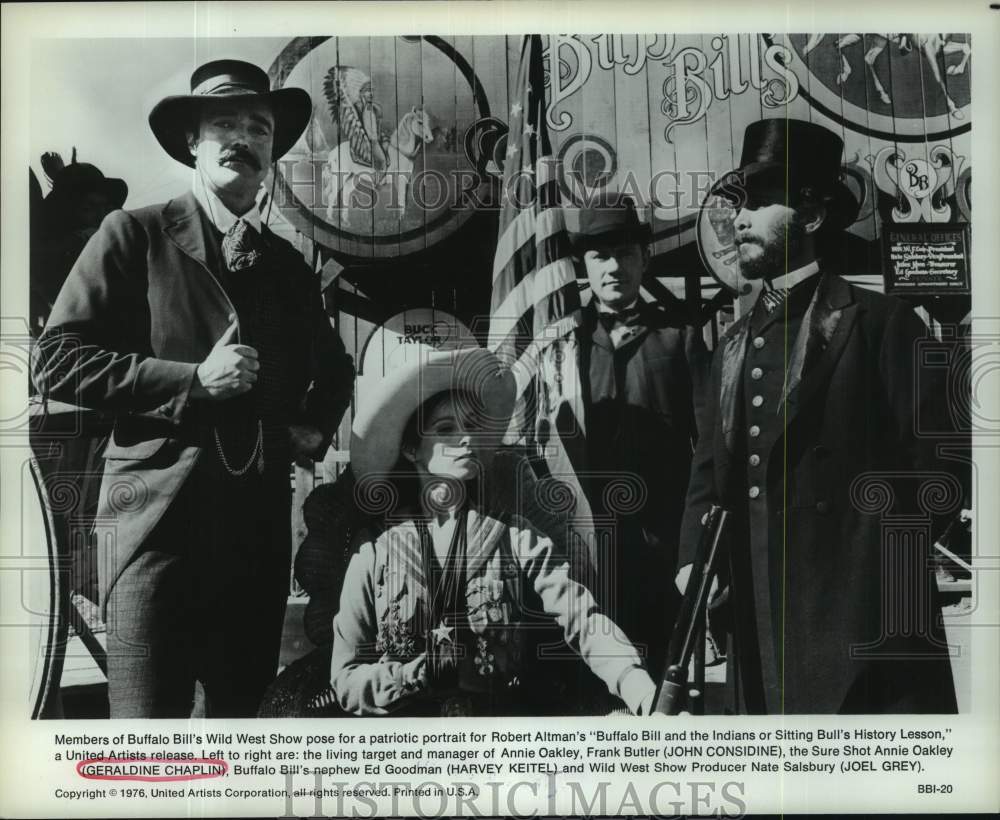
x=528, y=228
x=549, y=332
x=535, y=291
x=535, y=297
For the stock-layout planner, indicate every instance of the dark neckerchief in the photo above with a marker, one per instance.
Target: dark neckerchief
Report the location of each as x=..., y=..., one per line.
x=444, y=580
x=444, y=608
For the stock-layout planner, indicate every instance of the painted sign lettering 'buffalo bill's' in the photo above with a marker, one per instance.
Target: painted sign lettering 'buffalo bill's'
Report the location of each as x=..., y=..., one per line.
x=409, y=134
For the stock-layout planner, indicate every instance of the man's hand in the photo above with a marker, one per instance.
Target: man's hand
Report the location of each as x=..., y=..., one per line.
x=229, y=370
x=681, y=581
x=413, y=674
x=305, y=440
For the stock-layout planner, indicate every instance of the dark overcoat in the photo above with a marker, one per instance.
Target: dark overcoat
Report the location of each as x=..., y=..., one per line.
x=631, y=452
x=142, y=306
x=831, y=611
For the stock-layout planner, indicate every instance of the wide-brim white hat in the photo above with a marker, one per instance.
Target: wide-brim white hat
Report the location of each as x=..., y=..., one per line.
x=381, y=416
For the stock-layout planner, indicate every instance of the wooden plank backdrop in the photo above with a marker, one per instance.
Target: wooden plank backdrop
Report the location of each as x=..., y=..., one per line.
x=624, y=111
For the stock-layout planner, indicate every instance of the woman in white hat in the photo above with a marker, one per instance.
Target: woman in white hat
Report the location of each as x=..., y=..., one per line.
x=433, y=612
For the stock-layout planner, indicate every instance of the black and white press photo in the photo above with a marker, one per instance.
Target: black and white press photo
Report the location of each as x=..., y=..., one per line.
x=710, y=285
x=499, y=374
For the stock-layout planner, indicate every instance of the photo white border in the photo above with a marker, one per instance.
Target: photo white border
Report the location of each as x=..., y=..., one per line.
x=26, y=770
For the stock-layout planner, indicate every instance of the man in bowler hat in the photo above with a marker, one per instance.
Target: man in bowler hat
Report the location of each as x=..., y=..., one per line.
x=206, y=336
x=639, y=368
x=813, y=393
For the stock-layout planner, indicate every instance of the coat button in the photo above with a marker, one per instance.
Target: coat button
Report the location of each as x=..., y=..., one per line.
x=756, y=373
x=757, y=401
x=754, y=431
x=754, y=460
x=754, y=492
x=167, y=411
x=758, y=342
x=822, y=507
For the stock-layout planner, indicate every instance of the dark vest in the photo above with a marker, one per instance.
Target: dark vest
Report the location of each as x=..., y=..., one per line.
x=271, y=322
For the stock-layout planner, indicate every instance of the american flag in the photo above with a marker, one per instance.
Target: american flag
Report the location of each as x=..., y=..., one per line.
x=535, y=295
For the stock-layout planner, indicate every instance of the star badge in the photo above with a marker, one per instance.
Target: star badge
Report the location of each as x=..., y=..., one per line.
x=442, y=633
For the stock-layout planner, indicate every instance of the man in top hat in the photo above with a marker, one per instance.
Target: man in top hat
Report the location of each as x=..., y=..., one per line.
x=639, y=367
x=812, y=397
x=205, y=334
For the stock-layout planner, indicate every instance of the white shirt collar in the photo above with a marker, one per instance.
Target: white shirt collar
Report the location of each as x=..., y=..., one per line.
x=790, y=280
x=603, y=308
x=217, y=212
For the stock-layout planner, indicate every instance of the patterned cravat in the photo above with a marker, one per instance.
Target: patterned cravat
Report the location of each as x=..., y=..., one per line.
x=242, y=246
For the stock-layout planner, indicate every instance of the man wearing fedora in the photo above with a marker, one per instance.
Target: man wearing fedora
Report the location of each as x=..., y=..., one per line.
x=204, y=333
x=810, y=392
x=639, y=367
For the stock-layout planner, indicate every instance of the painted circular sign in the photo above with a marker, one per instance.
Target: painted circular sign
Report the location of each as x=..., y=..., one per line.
x=897, y=87
x=399, y=339
x=381, y=170
x=405, y=339
x=716, y=236
x=588, y=164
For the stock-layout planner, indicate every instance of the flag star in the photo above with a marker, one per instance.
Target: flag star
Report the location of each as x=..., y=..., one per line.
x=529, y=129
x=442, y=633
x=511, y=150
x=515, y=109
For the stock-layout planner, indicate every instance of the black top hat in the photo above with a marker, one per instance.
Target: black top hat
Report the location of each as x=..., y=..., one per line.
x=795, y=155
x=174, y=116
x=610, y=220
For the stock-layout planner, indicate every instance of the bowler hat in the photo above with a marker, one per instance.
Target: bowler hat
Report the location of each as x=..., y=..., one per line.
x=794, y=155
x=382, y=415
x=612, y=219
x=173, y=117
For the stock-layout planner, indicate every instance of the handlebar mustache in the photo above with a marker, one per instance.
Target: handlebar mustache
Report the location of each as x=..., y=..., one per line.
x=243, y=156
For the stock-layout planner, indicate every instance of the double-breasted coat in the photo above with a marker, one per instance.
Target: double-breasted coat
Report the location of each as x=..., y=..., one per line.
x=141, y=308
x=817, y=432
